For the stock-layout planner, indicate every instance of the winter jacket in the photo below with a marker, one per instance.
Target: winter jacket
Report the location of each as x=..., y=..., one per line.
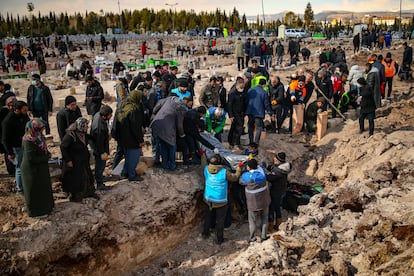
x=100, y=135
x=257, y=102
x=340, y=56
x=179, y=94
x=292, y=49
x=255, y=50
x=381, y=70
x=214, y=124
x=214, y=169
x=408, y=56
x=47, y=99
x=168, y=120
x=209, y=97
x=368, y=101
x=373, y=81
x=310, y=86
x=276, y=95
x=326, y=87
x=191, y=122
x=96, y=92
x=337, y=83
x=247, y=47
x=238, y=49
x=3, y=114
x=323, y=58
x=256, y=190
x=64, y=118
x=75, y=151
x=13, y=129
x=236, y=103
x=280, y=50
x=277, y=178
x=297, y=92
x=128, y=133
x=355, y=73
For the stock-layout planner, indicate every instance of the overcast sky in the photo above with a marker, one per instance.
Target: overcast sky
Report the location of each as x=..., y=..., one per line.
x=249, y=7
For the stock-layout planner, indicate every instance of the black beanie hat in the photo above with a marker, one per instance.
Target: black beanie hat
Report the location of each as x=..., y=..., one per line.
x=36, y=77
x=252, y=163
x=183, y=83
x=281, y=156
x=69, y=99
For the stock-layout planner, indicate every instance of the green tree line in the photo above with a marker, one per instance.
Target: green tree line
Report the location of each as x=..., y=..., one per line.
x=139, y=21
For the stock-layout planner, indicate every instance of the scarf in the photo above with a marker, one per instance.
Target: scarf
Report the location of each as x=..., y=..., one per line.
x=132, y=102
x=76, y=130
x=34, y=133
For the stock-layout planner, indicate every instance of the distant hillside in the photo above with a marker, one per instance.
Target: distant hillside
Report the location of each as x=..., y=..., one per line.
x=330, y=15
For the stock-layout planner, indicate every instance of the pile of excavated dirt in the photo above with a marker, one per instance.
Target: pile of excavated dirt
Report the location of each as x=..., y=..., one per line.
x=125, y=228
x=363, y=223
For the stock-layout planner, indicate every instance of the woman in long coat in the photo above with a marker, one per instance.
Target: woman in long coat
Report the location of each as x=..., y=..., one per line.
x=77, y=176
x=35, y=170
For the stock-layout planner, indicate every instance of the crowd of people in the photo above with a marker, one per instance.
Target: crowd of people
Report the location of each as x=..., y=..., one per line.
x=161, y=103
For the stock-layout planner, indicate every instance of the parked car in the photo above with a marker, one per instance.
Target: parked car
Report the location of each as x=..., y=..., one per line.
x=296, y=33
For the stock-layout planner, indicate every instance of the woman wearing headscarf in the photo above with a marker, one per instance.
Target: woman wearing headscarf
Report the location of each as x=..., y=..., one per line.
x=35, y=170
x=127, y=126
x=77, y=176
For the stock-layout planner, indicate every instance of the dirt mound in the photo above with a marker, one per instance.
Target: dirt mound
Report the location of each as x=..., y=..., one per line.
x=127, y=227
x=363, y=224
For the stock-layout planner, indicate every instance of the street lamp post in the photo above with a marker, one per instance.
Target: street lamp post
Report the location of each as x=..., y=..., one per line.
x=264, y=21
x=120, y=17
x=400, y=27
x=172, y=6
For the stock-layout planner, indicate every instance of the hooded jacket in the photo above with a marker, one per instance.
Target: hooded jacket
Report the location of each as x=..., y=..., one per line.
x=355, y=73
x=213, y=170
x=95, y=91
x=278, y=178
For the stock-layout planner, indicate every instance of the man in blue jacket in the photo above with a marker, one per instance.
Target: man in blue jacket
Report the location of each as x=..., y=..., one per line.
x=257, y=198
x=215, y=193
x=257, y=103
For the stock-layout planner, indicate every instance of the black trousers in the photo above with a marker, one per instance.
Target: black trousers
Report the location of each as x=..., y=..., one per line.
x=236, y=130
x=220, y=214
x=388, y=82
x=11, y=168
x=278, y=110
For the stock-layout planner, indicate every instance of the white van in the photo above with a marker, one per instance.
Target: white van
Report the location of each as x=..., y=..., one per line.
x=213, y=31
